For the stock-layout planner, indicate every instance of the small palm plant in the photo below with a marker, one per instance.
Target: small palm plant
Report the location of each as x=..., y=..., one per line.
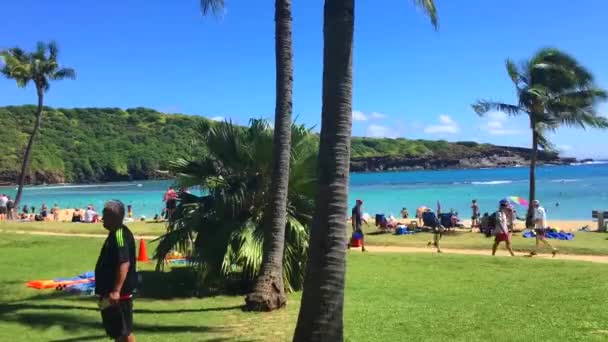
x=223, y=229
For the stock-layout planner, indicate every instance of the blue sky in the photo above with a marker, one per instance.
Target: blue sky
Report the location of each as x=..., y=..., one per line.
x=410, y=81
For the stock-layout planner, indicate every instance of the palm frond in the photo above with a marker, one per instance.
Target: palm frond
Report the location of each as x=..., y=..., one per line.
x=214, y=6
x=429, y=8
x=482, y=107
x=226, y=224
x=64, y=73
x=513, y=72
x=53, y=50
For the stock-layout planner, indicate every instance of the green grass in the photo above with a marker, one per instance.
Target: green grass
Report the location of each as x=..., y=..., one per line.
x=139, y=228
x=583, y=243
x=389, y=297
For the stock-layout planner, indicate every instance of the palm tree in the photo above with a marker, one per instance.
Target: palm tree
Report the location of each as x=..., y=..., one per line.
x=320, y=317
x=268, y=292
x=224, y=231
x=554, y=90
x=39, y=67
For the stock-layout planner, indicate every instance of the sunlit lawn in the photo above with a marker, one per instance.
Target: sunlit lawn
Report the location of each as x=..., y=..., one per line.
x=140, y=228
x=389, y=297
x=583, y=243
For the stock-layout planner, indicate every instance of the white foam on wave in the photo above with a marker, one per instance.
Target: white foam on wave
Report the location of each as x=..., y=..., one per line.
x=493, y=182
x=565, y=180
x=44, y=187
x=596, y=162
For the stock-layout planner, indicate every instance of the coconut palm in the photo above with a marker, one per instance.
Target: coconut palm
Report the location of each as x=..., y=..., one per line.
x=268, y=293
x=554, y=90
x=320, y=317
x=40, y=67
x=223, y=231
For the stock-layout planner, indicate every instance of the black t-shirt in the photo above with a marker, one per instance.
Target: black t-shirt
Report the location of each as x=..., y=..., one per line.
x=118, y=248
x=356, y=213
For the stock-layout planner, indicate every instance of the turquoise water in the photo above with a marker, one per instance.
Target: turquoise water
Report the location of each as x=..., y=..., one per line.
x=577, y=189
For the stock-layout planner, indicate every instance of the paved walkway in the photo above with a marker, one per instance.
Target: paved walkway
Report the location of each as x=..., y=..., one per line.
x=370, y=248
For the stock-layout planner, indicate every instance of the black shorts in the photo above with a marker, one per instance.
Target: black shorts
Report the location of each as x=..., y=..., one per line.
x=2, y=210
x=118, y=319
x=541, y=231
x=171, y=204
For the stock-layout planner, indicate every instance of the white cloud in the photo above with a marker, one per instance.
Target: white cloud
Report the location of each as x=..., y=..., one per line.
x=376, y=115
x=217, y=118
x=445, y=119
x=497, y=116
x=447, y=126
x=359, y=116
x=564, y=148
x=378, y=131
x=496, y=124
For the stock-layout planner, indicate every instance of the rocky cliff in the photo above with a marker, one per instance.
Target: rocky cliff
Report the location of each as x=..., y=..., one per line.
x=495, y=156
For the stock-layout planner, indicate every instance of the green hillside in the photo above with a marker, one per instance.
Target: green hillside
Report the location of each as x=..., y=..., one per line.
x=96, y=144
x=111, y=144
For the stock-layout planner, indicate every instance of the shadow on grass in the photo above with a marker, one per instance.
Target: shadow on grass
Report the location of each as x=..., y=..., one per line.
x=82, y=338
x=73, y=323
x=15, y=307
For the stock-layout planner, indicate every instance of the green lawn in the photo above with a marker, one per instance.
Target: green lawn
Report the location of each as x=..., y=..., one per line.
x=389, y=297
x=140, y=228
x=583, y=243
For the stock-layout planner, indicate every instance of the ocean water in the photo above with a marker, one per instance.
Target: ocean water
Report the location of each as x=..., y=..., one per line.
x=577, y=190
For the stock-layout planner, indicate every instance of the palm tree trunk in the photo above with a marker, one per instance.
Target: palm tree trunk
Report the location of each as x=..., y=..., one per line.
x=25, y=165
x=320, y=317
x=269, y=291
x=532, y=195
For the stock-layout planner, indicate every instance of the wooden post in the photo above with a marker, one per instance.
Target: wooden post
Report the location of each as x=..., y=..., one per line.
x=601, y=227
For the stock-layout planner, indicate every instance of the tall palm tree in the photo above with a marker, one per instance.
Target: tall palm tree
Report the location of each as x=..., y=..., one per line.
x=320, y=317
x=269, y=291
x=39, y=67
x=554, y=90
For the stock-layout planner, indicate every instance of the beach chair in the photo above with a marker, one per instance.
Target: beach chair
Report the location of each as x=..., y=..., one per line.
x=430, y=219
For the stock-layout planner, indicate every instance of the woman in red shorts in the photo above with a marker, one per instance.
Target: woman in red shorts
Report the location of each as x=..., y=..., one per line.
x=501, y=230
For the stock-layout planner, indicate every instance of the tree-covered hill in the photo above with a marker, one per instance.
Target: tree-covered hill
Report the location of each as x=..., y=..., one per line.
x=95, y=144
x=112, y=144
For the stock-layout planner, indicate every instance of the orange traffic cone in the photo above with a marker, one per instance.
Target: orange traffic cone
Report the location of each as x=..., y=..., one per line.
x=143, y=255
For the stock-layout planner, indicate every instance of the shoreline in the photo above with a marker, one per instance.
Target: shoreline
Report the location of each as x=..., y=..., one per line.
x=581, y=162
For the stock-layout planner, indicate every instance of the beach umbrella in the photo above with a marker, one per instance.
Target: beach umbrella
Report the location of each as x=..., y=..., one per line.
x=516, y=200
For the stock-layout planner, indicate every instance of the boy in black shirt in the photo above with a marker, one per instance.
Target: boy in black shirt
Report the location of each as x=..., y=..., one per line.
x=115, y=275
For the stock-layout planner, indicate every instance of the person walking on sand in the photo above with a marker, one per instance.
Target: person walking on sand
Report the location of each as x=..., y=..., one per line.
x=3, y=209
x=404, y=213
x=539, y=217
x=55, y=212
x=115, y=275
x=501, y=229
x=357, y=222
x=438, y=230
x=474, y=214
